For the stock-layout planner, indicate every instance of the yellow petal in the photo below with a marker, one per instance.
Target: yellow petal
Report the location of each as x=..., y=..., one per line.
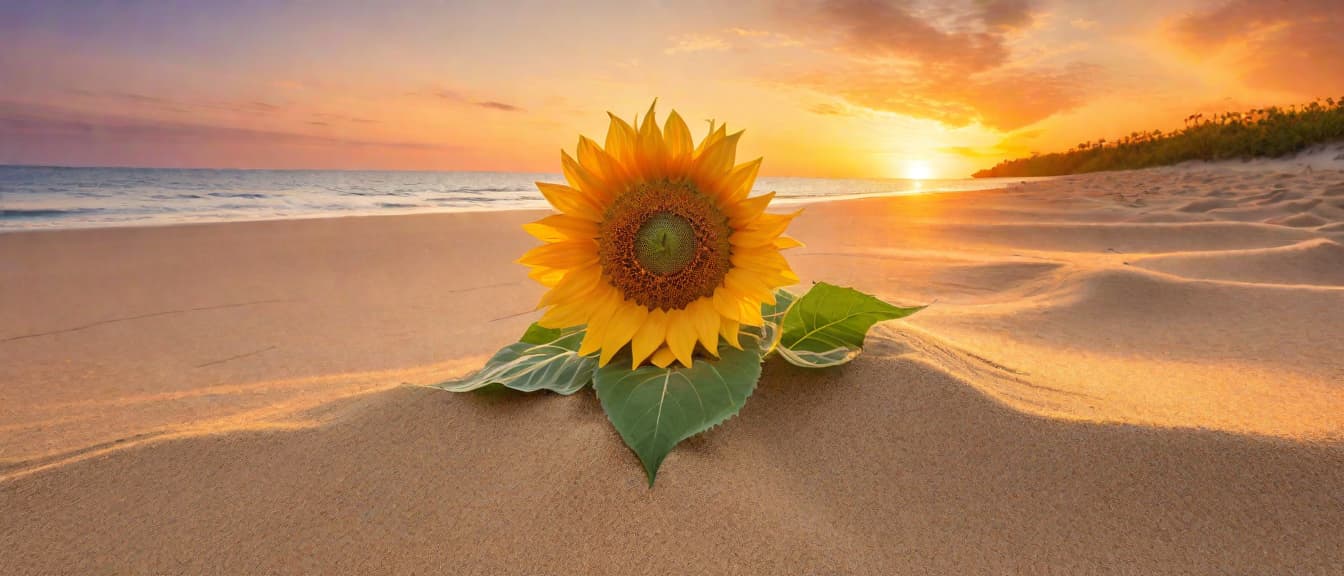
x=624, y=323
x=737, y=185
x=651, y=335
x=650, y=154
x=620, y=141
x=750, y=310
x=747, y=284
x=717, y=159
x=748, y=209
x=571, y=201
x=608, y=301
x=786, y=242
x=564, y=255
x=706, y=320
x=762, y=231
x=762, y=258
x=681, y=335
x=774, y=223
x=777, y=278
x=559, y=227
x=663, y=357
x=677, y=138
x=581, y=179
x=592, y=158
x=545, y=275
x=710, y=139
x=649, y=122
x=603, y=166
x=576, y=284
x=726, y=304
x=728, y=329
x=566, y=315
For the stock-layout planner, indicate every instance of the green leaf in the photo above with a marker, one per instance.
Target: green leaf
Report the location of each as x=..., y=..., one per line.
x=832, y=357
x=826, y=327
x=654, y=408
x=545, y=359
x=773, y=315
x=538, y=334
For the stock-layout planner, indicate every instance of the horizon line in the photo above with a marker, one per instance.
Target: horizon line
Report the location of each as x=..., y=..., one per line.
x=206, y=168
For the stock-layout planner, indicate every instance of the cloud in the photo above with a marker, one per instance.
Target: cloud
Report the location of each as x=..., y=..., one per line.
x=1015, y=144
x=1292, y=45
x=828, y=109
x=459, y=98
x=498, y=106
x=971, y=38
x=688, y=43
x=131, y=98
x=1083, y=23
x=325, y=117
x=124, y=96
x=946, y=62
x=159, y=102
x=749, y=32
x=1005, y=100
x=1005, y=14
x=971, y=152
x=731, y=38
x=257, y=106
x=20, y=120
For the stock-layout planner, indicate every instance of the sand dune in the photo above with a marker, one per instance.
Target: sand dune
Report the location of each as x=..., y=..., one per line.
x=1317, y=262
x=1137, y=372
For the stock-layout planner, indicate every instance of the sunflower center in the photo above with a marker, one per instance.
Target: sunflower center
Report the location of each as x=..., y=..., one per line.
x=664, y=244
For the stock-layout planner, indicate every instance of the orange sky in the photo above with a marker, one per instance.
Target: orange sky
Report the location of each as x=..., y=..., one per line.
x=823, y=88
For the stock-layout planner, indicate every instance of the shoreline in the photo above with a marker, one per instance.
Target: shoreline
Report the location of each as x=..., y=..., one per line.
x=531, y=212
x=37, y=210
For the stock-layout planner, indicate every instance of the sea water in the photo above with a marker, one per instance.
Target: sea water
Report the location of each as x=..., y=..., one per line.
x=46, y=197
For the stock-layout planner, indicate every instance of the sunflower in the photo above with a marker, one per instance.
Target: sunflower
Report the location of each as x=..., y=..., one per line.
x=657, y=244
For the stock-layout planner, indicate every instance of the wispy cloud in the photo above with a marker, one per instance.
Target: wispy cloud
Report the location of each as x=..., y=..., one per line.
x=827, y=109
x=498, y=106
x=329, y=117
x=688, y=43
x=1016, y=144
x=949, y=63
x=731, y=38
x=460, y=98
x=1083, y=23
x=749, y=32
x=1293, y=45
x=257, y=106
x=1005, y=14
x=172, y=105
x=131, y=98
x=21, y=120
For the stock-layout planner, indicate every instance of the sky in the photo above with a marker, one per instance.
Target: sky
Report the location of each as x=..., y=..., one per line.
x=825, y=88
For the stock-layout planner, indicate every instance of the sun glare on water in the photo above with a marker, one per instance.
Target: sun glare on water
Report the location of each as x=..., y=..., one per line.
x=918, y=170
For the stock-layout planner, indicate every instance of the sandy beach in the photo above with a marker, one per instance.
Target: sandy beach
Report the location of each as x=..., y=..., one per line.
x=1120, y=373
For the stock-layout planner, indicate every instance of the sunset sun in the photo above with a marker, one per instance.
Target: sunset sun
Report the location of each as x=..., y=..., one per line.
x=917, y=170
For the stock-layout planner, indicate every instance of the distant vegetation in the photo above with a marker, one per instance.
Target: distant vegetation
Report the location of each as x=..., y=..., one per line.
x=1268, y=132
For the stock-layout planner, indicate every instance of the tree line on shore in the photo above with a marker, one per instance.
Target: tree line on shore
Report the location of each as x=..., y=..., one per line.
x=1260, y=132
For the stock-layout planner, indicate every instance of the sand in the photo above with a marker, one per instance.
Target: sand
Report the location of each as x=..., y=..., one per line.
x=1121, y=373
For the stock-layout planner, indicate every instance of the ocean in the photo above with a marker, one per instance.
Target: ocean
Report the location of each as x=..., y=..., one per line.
x=46, y=197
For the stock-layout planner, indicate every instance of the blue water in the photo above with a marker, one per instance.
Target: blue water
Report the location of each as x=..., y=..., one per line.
x=43, y=197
